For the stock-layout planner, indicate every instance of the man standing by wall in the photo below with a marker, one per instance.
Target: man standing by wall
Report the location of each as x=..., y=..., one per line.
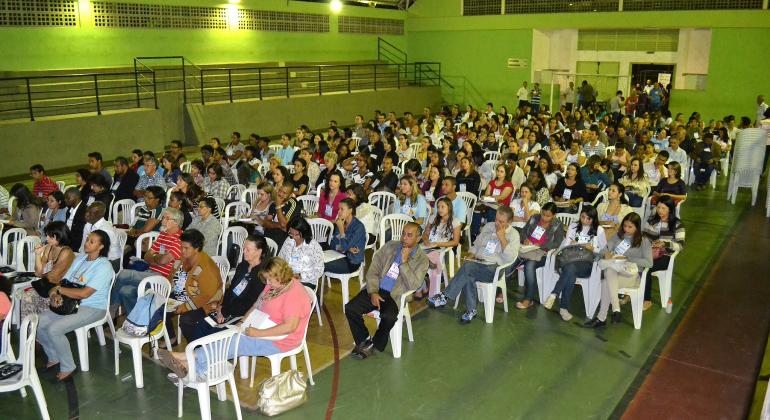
x=523, y=95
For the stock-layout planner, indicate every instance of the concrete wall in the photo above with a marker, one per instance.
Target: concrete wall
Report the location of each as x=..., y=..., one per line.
x=276, y=116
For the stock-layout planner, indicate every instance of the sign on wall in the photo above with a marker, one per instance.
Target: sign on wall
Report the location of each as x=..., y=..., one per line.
x=518, y=63
x=664, y=78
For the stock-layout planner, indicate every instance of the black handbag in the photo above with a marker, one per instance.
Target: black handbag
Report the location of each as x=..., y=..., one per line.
x=69, y=305
x=574, y=253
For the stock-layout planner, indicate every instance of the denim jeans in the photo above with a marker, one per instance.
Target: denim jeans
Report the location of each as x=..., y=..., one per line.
x=530, y=277
x=247, y=346
x=126, y=286
x=567, y=278
x=52, y=330
x=465, y=281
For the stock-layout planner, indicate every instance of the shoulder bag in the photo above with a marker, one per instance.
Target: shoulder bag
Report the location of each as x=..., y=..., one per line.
x=281, y=393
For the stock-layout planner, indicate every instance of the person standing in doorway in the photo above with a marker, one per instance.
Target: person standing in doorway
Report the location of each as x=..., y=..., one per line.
x=523, y=95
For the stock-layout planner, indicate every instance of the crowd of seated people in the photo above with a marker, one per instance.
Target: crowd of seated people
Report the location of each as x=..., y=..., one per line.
x=606, y=183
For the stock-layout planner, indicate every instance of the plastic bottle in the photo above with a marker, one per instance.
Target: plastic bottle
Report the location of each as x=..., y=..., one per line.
x=669, y=306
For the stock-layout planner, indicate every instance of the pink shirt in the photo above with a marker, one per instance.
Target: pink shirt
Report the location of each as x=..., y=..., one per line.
x=330, y=213
x=5, y=304
x=291, y=303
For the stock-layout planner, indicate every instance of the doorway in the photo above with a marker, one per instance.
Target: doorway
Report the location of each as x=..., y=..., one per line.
x=640, y=73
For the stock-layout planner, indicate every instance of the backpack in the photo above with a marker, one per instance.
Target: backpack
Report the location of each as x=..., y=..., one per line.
x=146, y=317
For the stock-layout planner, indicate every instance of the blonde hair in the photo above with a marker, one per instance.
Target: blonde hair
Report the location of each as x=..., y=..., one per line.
x=267, y=188
x=330, y=156
x=277, y=160
x=277, y=267
x=415, y=189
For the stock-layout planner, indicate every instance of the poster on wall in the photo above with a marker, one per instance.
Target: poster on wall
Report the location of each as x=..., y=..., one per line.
x=664, y=79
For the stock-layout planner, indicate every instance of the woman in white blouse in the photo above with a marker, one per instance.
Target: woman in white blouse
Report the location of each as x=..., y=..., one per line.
x=588, y=234
x=524, y=206
x=303, y=253
x=442, y=232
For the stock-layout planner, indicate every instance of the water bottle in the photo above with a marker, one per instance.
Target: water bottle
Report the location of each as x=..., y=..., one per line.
x=669, y=306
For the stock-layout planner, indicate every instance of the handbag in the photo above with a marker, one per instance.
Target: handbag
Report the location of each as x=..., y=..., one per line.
x=68, y=305
x=43, y=287
x=572, y=254
x=281, y=393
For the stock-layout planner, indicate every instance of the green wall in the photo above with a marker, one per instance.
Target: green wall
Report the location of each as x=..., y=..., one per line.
x=476, y=47
x=30, y=49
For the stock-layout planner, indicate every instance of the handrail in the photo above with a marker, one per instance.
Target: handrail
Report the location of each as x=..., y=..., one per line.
x=380, y=49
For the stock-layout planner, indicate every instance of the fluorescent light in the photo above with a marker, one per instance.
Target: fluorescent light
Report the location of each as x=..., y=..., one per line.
x=335, y=5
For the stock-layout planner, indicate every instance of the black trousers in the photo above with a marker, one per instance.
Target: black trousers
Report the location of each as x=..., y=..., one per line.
x=658, y=264
x=188, y=323
x=362, y=304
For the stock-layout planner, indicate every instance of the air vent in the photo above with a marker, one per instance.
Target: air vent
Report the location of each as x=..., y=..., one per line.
x=375, y=26
x=38, y=13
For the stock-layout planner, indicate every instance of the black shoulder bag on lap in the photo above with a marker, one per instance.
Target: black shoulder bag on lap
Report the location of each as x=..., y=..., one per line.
x=68, y=305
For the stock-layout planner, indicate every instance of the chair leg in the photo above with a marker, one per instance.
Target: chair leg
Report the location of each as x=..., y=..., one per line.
x=34, y=383
x=116, y=351
x=637, y=301
x=136, y=354
x=221, y=393
x=323, y=286
x=100, y=335
x=275, y=366
x=234, y=391
x=396, y=336
x=504, y=287
x=180, y=394
x=307, y=364
x=345, y=287
x=318, y=312
x=489, y=302
x=408, y=320
x=82, y=341
x=204, y=402
x=243, y=365
x=253, y=370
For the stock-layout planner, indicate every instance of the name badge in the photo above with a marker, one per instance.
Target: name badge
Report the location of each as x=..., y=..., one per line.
x=392, y=271
x=240, y=287
x=496, y=192
x=707, y=149
x=429, y=195
x=582, y=239
x=463, y=188
x=293, y=260
x=520, y=212
x=566, y=194
x=537, y=234
x=328, y=210
x=180, y=282
x=115, y=186
x=490, y=247
x=622, y=247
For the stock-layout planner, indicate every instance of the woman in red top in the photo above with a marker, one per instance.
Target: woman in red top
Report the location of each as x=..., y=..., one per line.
x=329, y=201
x=499, y=192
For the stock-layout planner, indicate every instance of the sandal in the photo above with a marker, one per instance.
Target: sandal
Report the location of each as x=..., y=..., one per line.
x=68, y=376
x=172, y=363
x=521, y=305
x=499, y=298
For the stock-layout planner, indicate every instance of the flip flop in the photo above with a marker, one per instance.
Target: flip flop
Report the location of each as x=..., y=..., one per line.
x=172, y=363
x=67, y=376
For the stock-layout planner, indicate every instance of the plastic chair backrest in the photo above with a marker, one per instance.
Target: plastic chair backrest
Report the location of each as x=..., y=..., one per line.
x=28, y=332
x=150, y=237
x=121, y=212
x=235, y=211
x=396, y=223
x=238, y=235
x=26, y=246
x=134, y=209
x=309, y=203
x=224, y=267
x=322, y=229
x=491, y=156
x=470, y=203
x=220, y=204
x=249, y=195
x=235, y=191
x=185, y=167
x=122, y=237
x=384, y=201
x=214, y=347
x=272, y=245
x=5, y=334
x=161, y=287
x=8, y=247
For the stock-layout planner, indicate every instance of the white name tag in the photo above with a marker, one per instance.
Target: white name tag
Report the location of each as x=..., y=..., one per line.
x=240, y=287
x=490, y=247
x=328, y=210
x=392, y=271
x=496, y=192
x=429, y=195
x=566, y=194
x=462, y=187
x=537, y=234
x=707, y=149
x=582, y=239
x=622, y=247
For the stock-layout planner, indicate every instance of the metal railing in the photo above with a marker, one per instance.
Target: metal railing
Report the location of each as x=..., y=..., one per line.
x=36, y=96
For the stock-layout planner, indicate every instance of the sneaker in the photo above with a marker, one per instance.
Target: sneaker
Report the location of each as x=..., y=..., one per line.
x=468, y=316
x=565, y=315
x=549, y=301
x=366, y=350
x=173, y=378
x=438, y=300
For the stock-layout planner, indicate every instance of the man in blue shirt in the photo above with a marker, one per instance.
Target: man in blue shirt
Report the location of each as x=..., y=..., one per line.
x=286, y=152
x=397, y=268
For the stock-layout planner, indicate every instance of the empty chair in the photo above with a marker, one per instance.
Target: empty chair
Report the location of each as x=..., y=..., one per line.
x=25, y=253
x=121, y=213
x=8, y=245
x=161, y=287
x=28, y=376
x=81, y=334
x=218, y=370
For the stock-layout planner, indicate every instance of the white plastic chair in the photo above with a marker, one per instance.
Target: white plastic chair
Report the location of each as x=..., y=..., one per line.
x=220, y=205
x=397, y=332
x=161, y=287
x=592, y=288
x=383, y=200
x=6, y=351
x=567, y=218
x=487, y=291
x=234, y=211
x=26, y=248
x=664, y=279
x=322, y=230
x=122, y=237
x=238, y=234
x=133, y=212
x=150, y=237
x=470, y=200
x=637, y=298
x=121, y=213
x=235, y=191
x=249, y=195
x=224, y=269
x=394, y=222
x=272, y=246
x=309, y=204
x=744, y=178
x=492, y=155
x=275, y=147
x=185, y=167
x=28, y=376
x=11, y=237
x=414, y=149
x=81, y=334
x=218, y=371
x=61, y=185
x=544, y=276
x=11, y=204
x=275, y=359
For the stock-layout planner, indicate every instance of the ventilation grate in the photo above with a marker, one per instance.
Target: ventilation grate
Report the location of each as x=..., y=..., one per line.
x=134, y=15
x=647, y=5
x=482, y=7
x=628, y=40
x=260, y=20
x=38, y=13
x=560, y=6
x=365, y=25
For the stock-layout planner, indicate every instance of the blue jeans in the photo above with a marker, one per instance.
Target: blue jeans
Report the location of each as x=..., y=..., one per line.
x=247, y=346
x=52, y=330
x=126, y=286
x=488, y=214
x=530, y=277
x=465, y=281
x=567, y=278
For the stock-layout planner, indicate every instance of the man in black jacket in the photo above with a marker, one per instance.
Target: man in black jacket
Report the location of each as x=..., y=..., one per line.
x=125, y=180
x=76, y=216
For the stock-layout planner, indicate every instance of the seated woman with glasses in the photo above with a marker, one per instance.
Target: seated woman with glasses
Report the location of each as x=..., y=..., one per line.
x=303, y=253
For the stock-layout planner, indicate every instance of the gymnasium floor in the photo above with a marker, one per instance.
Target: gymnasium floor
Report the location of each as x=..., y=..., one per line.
x=525, y=365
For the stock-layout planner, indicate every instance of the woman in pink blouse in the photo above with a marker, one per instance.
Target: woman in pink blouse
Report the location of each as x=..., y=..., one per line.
x=329, y=202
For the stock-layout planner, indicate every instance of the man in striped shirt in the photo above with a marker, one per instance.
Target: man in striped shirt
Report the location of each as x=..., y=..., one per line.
x=43, y=184
x=160, y=257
